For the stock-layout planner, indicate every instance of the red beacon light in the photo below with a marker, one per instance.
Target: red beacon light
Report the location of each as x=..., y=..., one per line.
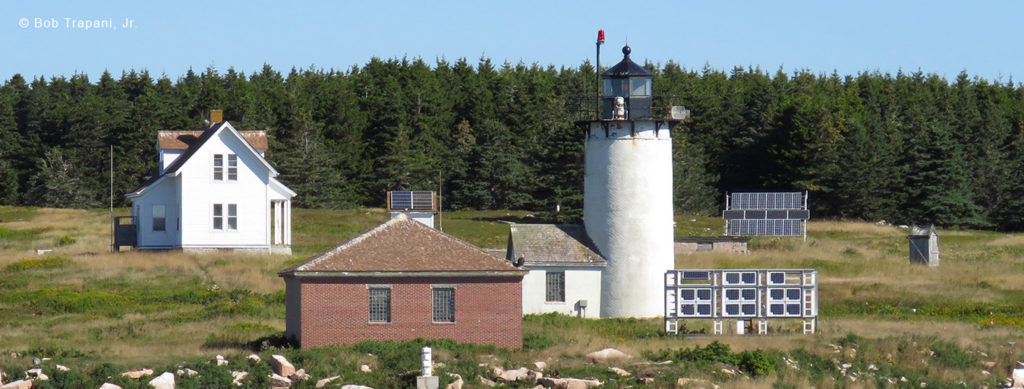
x=600, y=36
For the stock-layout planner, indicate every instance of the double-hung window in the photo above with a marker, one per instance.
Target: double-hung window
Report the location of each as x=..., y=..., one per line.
x=555, y=287
x=225, y=217
x=380, y=305
x=219, y=167
x=444, y=305
x=159, y=218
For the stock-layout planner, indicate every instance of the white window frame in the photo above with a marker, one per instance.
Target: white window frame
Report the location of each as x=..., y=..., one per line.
x=232, y=168
x=218, y=167
x=385, y=307
x=227, y=217
x=160, y=209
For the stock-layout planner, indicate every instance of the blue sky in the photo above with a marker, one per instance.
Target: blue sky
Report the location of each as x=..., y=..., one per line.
x=942, y=37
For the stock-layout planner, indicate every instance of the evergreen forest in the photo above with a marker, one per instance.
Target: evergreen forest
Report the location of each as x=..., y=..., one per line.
x=905, y=148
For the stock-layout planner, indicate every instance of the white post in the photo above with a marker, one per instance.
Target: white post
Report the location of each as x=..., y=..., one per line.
x=428, y=366
x=277, y=222
x=288, y=223
x=740, y=326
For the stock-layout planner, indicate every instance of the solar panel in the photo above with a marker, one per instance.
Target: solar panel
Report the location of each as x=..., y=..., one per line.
x=766, y=213
x=741, y=293
x=403, y=200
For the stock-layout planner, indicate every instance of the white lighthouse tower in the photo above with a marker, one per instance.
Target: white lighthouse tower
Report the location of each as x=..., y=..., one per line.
x=627, y=203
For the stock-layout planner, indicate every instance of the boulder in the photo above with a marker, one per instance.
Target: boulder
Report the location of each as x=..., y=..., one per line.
x=365, y=368
x=355, y=387
x=220, y=360
x=19, y=384
x=279, y=381
x=323, y=382
x=607, y=355
x=254, y=358
x=163, y=381
x=281, y=365
x=238, y=376
x=540, y=365
x=187, y=372
x=620, y=372
x=107, y=385
x=684, y=382
x=36, y=374
x=62, y=368
x=1018, y=378
x=534, y=376
x=300, y=375
x=486, y=382
x=645, y=380
x=520, y=374
x=577, y=383
x=136, y=374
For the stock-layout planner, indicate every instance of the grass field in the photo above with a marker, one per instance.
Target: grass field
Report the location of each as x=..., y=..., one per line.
x=957, y=325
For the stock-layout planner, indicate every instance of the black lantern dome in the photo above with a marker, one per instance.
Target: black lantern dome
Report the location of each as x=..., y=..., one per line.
x=632, y=83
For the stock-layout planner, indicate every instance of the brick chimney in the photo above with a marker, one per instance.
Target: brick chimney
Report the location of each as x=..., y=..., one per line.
x=216, y=116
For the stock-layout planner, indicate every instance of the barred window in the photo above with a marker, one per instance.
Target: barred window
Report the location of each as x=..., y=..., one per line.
x=380, y=305
x=555, y=287
x=444, y=305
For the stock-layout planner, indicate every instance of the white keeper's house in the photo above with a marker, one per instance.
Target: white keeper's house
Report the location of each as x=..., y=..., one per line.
x=214, y=189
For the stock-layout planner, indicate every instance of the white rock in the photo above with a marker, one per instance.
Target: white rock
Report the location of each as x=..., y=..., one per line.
x=607, y=355
x=534, y=376
x=19, y=384
x=254, y=358
x=163, y=381
x=136, y=374
x=620, y=371
x=1018, y=378
x=323, y=382
x=221, y=361
x=457, y=384
x=486, y=382
x=279, y=381
x=540, y=365
x=520, y=374
x=300, y=375
x=107, y=385
x=37, y=374
x=645, y=380
x=238, y=376
x=63, y=368
x=187, y=372
x=695, y=382
x=365, y=368
x=281, y=365
x=355, y=387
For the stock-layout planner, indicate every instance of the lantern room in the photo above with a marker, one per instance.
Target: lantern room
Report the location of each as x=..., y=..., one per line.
x=627, y=91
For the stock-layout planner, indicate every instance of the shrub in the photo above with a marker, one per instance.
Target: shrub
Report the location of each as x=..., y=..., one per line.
x=952, y=356
x=756, y=363
x=65, y=240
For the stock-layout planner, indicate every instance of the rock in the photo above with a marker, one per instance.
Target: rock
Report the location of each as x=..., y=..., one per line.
x=1018, y=378
x=163, y=381
x=254, y=358
x=520, y=374
x=19, y=384
x=221, y=361
x=607, y=355
x=534, y=376
x=728, y=371
x=107, y=385
x=540, y=365
x=136, y=374
x=457, y=384
x=486, y=382
x=300, y=375
x=37, y=374
x=645, y=380
x=62, y=368
x=187, y=372
x=620, y=372
x=323, y=382
x=355, y=387
x=576, y=383
x=988, y=364
x=279, y=381
x=496, y=371
x=281, y=365
x=365, y=368
x=684, y=382
x=238, y=376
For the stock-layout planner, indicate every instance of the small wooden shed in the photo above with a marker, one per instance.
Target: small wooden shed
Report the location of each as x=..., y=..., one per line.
x=924, y=245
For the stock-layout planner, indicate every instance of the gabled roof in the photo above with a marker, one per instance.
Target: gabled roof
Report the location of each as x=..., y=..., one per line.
x=553, y=245
x=403, y=246
x=182, y=140
x=193, y=147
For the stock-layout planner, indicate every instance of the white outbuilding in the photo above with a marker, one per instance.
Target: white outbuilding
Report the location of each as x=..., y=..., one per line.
x=214, y=189
x=564, y=268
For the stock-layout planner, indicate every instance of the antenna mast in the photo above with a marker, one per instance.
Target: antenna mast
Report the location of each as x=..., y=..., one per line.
x=597, y=74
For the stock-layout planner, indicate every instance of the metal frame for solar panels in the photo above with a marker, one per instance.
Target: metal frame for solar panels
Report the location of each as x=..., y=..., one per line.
x=741, y=294
x=766, y=214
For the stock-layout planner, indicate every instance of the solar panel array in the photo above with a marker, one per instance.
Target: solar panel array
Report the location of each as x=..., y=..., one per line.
x=404, y=200
x=740, y=294
x=766, y=214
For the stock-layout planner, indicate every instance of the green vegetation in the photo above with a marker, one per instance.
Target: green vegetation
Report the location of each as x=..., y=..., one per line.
x=31, y=264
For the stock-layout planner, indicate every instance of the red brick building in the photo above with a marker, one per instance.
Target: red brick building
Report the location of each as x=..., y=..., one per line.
x=403, y=280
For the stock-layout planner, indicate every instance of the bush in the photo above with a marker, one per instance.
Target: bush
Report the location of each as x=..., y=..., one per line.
x=756, y=363
x=65, y=240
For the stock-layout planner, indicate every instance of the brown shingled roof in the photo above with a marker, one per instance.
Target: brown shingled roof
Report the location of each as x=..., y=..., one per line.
x=553, y=245
x=403, y=245
x=182, y=140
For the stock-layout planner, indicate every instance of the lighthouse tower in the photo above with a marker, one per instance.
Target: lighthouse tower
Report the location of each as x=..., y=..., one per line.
x=627, y=203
